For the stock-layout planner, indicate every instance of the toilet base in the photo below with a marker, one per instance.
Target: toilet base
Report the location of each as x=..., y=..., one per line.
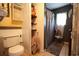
x=16, y=50
x=17, y=54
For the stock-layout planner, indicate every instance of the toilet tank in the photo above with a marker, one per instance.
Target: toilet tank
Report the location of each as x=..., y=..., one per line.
x=11, y=41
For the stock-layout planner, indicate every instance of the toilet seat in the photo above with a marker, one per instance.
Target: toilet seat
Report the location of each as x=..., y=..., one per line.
x=16, y=50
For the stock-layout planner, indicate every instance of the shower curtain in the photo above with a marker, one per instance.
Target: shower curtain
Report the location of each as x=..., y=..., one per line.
x=49, y=30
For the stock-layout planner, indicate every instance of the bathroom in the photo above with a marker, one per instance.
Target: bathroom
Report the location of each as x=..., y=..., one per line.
x=15, y=28
x=22, y=23
x=10, y=29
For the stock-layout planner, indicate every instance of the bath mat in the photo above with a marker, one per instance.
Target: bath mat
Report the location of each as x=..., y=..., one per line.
x=55, y=48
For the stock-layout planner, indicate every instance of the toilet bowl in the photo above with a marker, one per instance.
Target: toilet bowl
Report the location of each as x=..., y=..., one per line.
x=16, y=50
x=13, y=43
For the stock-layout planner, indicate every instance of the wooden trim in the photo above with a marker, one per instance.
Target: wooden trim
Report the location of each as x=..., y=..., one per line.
x=8, y=7
x=60, y=10
x=4, y=27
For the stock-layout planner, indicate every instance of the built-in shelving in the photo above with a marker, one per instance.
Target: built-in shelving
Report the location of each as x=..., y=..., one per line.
x=34, y=29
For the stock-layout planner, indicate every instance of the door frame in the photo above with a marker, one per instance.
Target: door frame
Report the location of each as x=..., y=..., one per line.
x=65, y=9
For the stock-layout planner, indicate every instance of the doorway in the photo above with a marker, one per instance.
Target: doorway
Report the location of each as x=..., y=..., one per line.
x=58, y=32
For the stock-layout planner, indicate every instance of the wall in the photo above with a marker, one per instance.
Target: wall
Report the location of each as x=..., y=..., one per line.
x=75, y=30
x=27, y=27
x=40, y=23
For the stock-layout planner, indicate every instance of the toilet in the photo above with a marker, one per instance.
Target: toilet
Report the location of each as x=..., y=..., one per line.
x=16, y=50
x=13, y=45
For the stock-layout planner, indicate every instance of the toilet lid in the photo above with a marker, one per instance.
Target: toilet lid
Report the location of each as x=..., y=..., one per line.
x=16, y=49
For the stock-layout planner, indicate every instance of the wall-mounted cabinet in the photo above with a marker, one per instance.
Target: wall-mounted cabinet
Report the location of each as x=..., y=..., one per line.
x=17, y=9
x=14, y=17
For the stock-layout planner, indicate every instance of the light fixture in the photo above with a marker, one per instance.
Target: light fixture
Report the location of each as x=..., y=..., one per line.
x=3, y=13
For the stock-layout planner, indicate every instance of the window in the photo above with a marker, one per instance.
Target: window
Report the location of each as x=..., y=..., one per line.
x=61, y=18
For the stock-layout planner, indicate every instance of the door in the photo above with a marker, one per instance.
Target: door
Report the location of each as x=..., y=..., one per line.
x=70, y=13
x=68, y=29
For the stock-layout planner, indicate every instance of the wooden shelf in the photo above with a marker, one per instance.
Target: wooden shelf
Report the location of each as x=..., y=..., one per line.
x=33, y=17
x=34, y=23
x=33, y=33
x=34, y=29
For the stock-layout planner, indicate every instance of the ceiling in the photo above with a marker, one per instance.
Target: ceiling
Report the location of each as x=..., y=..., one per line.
x=52, y=6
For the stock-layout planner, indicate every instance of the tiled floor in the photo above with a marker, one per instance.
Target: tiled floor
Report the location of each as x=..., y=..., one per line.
x=39, y=54
x=44, y=54
x=64, y=52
